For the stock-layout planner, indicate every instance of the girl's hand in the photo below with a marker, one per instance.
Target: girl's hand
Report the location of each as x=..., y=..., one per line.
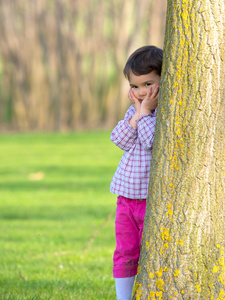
x=137, y=105
x=150, y=102
x=134, y=100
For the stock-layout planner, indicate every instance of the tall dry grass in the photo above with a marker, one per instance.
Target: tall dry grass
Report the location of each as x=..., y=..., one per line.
x=61, y=61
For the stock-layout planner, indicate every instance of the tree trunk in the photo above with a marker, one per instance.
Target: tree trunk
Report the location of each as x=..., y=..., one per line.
x=182, y=255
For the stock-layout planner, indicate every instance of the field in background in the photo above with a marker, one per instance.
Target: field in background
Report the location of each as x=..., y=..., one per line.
x=61, y=62
x=57, y=216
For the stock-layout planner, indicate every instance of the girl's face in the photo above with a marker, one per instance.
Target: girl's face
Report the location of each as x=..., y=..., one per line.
x=140, y=83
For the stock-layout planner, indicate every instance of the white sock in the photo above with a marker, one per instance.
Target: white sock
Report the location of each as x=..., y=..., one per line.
x=124, y=287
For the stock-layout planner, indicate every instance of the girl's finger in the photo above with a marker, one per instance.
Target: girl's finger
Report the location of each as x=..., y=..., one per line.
x=149, y=91
x=156, y=90
x=133, y=96
x=130, y=95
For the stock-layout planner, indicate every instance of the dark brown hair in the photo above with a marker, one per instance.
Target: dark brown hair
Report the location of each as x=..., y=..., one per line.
x=144, y=60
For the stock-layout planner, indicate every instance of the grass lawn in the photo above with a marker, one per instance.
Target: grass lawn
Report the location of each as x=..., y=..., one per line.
x=57, y=216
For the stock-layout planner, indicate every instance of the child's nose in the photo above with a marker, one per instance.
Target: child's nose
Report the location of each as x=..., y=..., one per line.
x=142, y=91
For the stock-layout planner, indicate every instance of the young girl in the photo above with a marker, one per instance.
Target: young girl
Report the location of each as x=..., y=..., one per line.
x=134, y=135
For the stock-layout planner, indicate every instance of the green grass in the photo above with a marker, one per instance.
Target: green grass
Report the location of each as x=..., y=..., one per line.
x=55, y=239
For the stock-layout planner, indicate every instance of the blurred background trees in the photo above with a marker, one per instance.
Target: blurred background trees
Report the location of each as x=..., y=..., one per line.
x=61, y=61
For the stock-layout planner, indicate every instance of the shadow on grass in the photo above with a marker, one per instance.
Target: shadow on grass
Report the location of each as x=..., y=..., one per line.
x=79, y=178
x=74, y=170
x=49, y=212
x=34, y=186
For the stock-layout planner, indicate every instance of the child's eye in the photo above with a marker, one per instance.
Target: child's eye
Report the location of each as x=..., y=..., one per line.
x=133, y=86
x=148, y=84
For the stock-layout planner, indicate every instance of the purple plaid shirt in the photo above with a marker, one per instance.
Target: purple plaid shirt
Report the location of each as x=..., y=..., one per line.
x=132, y=175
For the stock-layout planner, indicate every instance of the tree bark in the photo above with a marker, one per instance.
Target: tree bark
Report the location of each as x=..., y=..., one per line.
x=182, y=255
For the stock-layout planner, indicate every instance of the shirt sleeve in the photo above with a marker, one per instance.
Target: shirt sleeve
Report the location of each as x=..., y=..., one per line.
x=124, y=135
x=146, y=129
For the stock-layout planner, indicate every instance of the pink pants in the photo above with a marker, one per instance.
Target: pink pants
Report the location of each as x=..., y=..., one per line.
x=129, y=224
